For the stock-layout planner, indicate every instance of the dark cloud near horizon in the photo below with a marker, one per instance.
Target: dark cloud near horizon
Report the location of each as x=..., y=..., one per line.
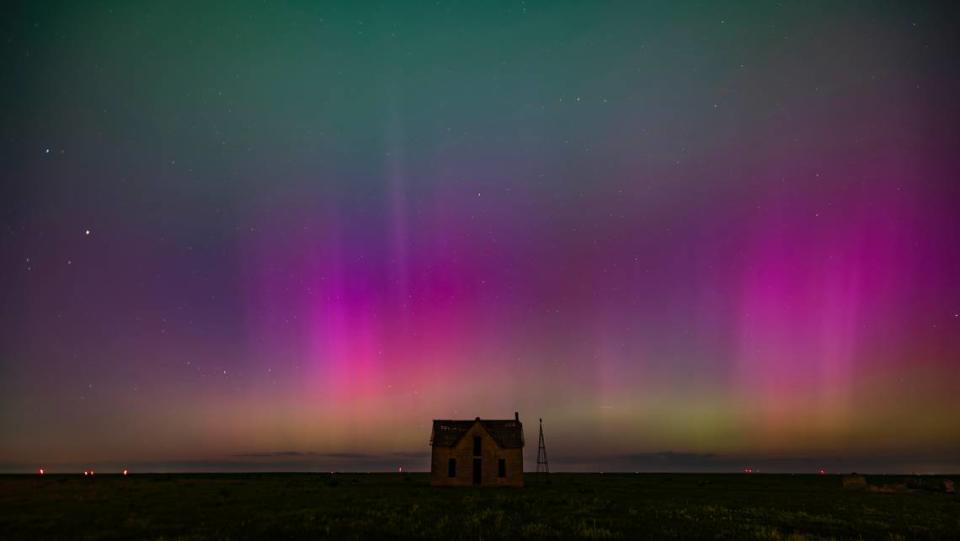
x=674, y=461
x=344, y=455
x=656, y=462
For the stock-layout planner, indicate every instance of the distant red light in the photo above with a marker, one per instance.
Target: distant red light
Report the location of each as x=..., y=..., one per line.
x=41, y=471
x=124, y=472
x=822, y=471
x=748, y=470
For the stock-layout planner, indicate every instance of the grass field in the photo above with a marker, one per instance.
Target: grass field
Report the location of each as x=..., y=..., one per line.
x=394, y=506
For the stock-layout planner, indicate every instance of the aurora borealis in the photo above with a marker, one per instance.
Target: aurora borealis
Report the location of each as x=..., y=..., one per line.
x=289, y=235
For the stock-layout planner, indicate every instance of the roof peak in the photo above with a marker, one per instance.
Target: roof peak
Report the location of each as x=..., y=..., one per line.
x=507, y=432
x=475, y=419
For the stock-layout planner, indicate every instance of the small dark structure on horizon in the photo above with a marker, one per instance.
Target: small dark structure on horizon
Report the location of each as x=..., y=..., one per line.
x=481, y=452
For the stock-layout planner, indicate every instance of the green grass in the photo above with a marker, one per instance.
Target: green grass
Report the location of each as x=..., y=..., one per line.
x=393, y=506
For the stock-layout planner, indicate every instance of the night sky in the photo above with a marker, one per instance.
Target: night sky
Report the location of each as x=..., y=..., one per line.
x=288, y=235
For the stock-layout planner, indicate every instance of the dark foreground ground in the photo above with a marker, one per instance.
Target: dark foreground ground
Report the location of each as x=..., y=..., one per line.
x=389, y=506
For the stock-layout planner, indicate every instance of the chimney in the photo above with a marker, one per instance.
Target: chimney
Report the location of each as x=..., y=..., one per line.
x=516, y=416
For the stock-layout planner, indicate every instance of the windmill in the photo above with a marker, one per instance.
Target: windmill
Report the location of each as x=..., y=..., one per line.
x=542, y=465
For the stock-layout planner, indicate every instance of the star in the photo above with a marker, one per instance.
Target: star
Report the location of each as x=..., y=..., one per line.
x=86, y=232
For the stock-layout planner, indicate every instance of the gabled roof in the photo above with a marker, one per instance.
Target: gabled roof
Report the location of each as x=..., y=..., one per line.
x=508, y=433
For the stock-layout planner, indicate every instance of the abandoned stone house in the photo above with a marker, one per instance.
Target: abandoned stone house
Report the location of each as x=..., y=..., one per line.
x=481, y=452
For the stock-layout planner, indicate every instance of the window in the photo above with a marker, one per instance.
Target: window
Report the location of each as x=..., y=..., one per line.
x=502, y=468
x=476, y=445
x=452, y=467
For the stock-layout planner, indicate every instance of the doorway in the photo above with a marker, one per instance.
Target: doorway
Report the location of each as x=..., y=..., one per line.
x=477, y=469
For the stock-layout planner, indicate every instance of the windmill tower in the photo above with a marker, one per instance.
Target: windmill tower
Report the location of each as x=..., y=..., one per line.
x=542, y=465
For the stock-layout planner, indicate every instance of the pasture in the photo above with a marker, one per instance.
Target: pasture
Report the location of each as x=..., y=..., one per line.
x=404, y=506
